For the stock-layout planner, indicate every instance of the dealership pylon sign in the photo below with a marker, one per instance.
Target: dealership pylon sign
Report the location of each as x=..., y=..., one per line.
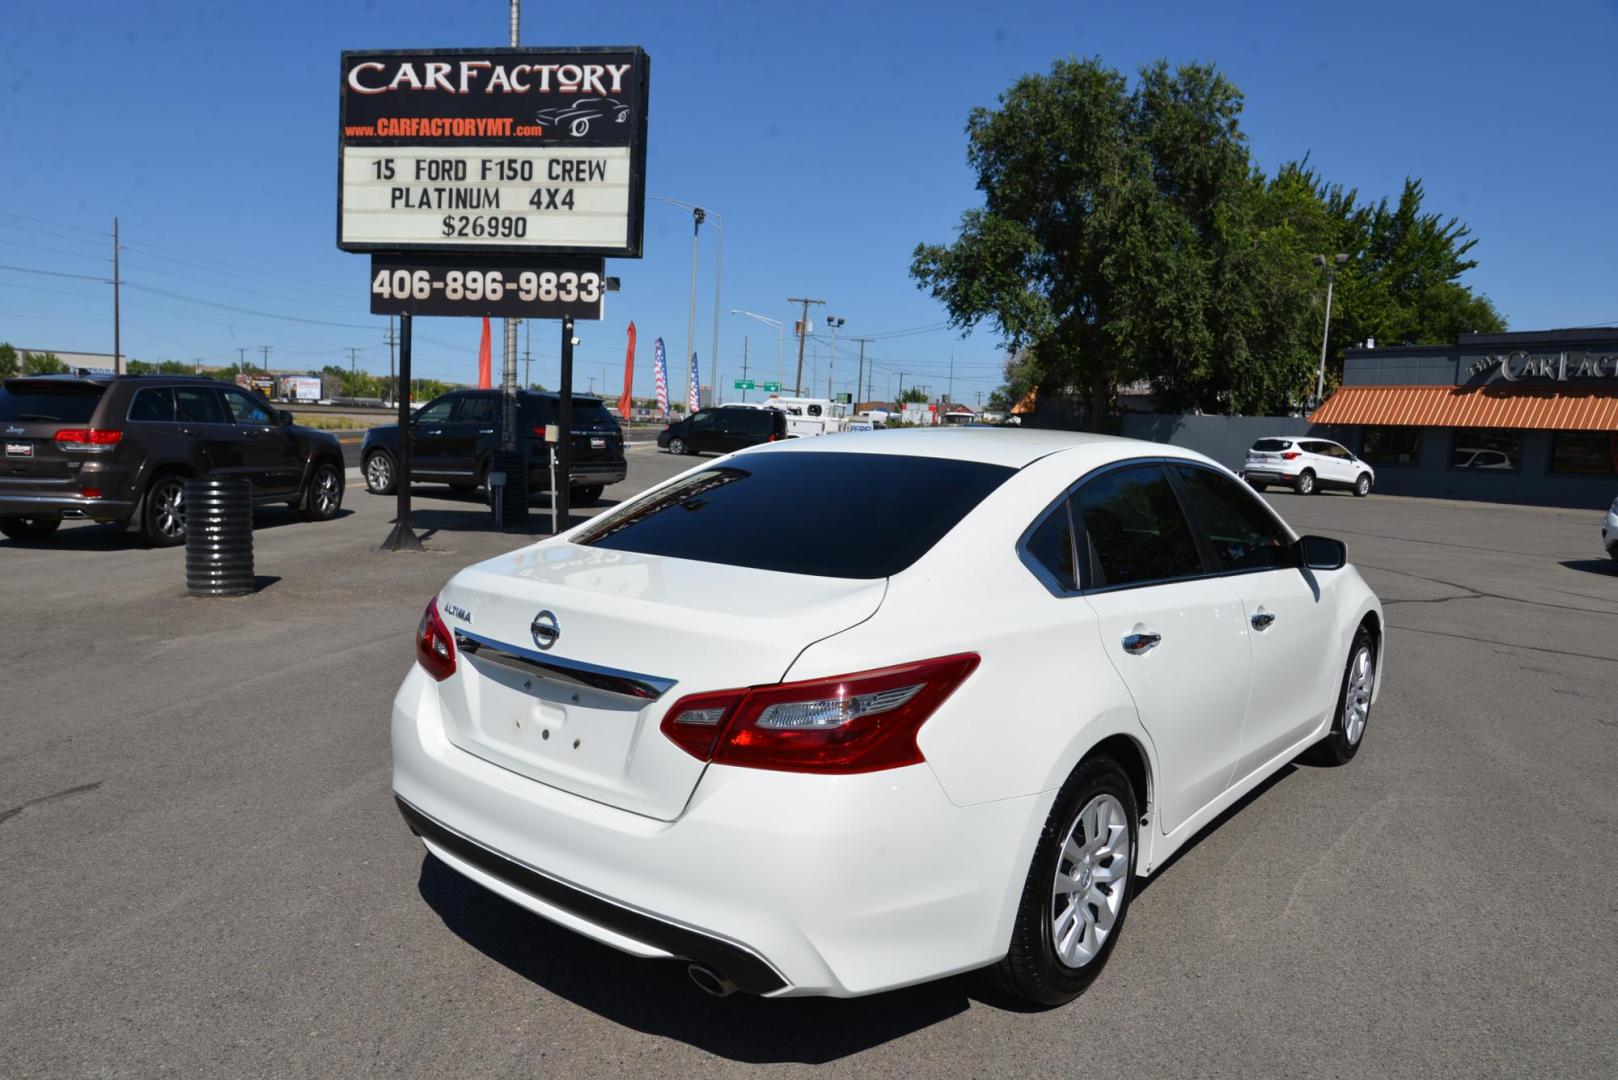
x=514, y=151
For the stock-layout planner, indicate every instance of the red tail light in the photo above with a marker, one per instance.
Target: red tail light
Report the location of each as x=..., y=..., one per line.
x=435, y=648
x=90, y=493
x=1290, y=454
x=89, y=436
x=847, y=724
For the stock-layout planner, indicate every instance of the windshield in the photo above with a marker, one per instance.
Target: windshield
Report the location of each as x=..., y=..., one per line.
x=53, y=402
x=881, y=512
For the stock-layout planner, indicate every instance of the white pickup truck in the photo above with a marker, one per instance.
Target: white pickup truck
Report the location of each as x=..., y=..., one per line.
x=810, y=416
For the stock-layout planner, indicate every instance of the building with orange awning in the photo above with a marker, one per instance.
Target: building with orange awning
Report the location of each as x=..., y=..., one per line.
x=1520, y=417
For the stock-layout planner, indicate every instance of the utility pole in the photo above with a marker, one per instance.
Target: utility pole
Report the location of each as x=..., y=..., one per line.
x=951, y=395
x=1330, y=266
x=264, y=357
x=803, y=329
x=980, y=399
x=744, y=367
x=117, y=320
x=527, y=355
x=859, y=382
x=241, y=358
x=353, y=363
x=391, y=339
x=898, y=403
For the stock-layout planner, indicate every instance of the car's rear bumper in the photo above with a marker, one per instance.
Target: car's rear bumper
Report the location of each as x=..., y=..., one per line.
x=37, y=505
x=783, y=883
x=581, y=474
x=1265, y=475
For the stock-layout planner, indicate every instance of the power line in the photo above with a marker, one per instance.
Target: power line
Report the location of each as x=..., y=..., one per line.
x=55, y=273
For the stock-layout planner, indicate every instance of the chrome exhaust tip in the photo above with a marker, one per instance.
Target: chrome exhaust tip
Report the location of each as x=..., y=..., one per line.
x=710, y=981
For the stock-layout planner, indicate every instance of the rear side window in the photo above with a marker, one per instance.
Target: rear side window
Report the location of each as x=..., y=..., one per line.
x=1243, y=533
x=49, y=402
x=197, y=405
x=1137, y=532
x=1050, y=546
x=886, y=513
x=153, y=405
x=1271, y=446
x=753, y=422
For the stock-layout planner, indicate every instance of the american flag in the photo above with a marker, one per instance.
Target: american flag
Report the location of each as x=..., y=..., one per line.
x=693, y=401
x=661, y=363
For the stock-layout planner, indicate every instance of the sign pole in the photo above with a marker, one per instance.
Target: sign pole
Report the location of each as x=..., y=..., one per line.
x=403, y=537
x=561, y=491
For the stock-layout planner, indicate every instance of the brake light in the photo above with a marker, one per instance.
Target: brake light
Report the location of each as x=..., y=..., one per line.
x=435, y=648
x=846, y=724
x=89, y=436
x=1290, y=454
x=90, y=493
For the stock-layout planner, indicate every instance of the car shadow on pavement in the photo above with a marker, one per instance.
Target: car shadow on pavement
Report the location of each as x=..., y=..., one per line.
x=473, y=514
x=1604, y=567
x=120, y=538
x=658, y=998
x=1142, y=884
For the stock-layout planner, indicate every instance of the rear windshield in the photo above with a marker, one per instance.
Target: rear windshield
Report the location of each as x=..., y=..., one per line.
x=588, y=415
x=826, y=514
x=67, y=403
x=1270, y=446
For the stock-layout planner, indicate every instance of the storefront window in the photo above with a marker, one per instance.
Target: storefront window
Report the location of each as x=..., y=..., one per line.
x=1392, y=445
x=1586, y=453
x=1486, y=449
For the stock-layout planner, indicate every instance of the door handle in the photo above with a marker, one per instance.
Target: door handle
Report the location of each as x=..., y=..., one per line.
x=440, y=431
x=486, y=431
x=1137, y=643
x=1261, y=619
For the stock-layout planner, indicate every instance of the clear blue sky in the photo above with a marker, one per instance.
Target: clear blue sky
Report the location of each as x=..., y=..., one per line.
x=830, y=136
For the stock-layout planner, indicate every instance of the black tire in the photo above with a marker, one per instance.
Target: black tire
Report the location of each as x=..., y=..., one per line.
x=1032, y=970
x=29, y=529
x=677, y=447
x=323, y=499
x=1343, y=742
x=162, y=512
x=1362, y=486
x=1613, y=552
x=381, y=473
x=1305, y=483
x=588, y=494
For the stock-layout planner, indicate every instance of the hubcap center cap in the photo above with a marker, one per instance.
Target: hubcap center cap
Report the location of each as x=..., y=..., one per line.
x=1083, y=876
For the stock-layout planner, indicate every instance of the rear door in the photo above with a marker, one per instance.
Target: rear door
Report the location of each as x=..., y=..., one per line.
x=1173, y=632
x=32, y=411
x=200, y=413
x=1336, y=467
x=1288, y=613
x=270, y=453
x=473, y=427
x=702, y=432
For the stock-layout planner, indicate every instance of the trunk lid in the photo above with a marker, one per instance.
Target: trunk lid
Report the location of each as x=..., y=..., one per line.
x=32, y=411
x=673, y=626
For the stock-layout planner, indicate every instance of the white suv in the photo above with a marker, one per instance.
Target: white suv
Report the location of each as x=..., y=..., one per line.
x=1306, y=465
x=1609, y=530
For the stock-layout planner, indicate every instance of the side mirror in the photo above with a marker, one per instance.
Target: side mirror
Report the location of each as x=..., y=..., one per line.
x=283, y=417
x=1322, y=553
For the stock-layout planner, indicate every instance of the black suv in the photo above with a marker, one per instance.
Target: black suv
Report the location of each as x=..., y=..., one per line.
x=119, y=448
x=723, y=429
x=455, y=433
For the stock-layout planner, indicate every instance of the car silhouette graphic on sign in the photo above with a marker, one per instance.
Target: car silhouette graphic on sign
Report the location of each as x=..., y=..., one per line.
x=578, y=116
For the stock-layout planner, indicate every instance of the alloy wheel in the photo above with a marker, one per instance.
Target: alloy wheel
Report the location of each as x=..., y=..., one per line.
x=169, y=500
x=378, y=472
x=326, y=493
x=1092, y=874
x=1357, y=702
x=677, y=446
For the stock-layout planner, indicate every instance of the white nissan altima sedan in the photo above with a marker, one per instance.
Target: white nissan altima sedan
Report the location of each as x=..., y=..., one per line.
x=834, y=716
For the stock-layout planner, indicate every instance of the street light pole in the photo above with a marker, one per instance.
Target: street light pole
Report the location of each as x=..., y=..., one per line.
x=780, y=339
x=1325, y=334
x=691, y=318
x=832, y=322
x=717, y=220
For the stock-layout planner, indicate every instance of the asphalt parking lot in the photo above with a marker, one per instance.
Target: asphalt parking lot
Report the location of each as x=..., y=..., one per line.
x=204, y=872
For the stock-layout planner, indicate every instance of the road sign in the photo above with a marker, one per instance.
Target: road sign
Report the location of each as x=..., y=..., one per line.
x=745, y=384
x=493, y=150
x=473, y=284
x=773, y=387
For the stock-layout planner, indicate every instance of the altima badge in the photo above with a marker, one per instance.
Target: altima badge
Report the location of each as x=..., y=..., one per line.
x=545, y=629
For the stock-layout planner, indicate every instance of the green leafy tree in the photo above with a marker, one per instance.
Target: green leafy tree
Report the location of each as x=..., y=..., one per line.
x=9, y=364
x=43, y=363
x=915, y=394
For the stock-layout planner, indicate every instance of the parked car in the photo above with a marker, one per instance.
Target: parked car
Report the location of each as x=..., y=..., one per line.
x=723, y=430
x=709, y=725
x=456, y=433
x=1609, y=530
x=119, y=448
x=1306, y=465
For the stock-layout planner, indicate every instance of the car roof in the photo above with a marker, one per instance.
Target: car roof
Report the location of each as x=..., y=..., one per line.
x=1012, y=447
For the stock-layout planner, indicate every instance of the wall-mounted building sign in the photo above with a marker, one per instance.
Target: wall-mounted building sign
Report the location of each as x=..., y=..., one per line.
x=1521, y=366
x=494, y=150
